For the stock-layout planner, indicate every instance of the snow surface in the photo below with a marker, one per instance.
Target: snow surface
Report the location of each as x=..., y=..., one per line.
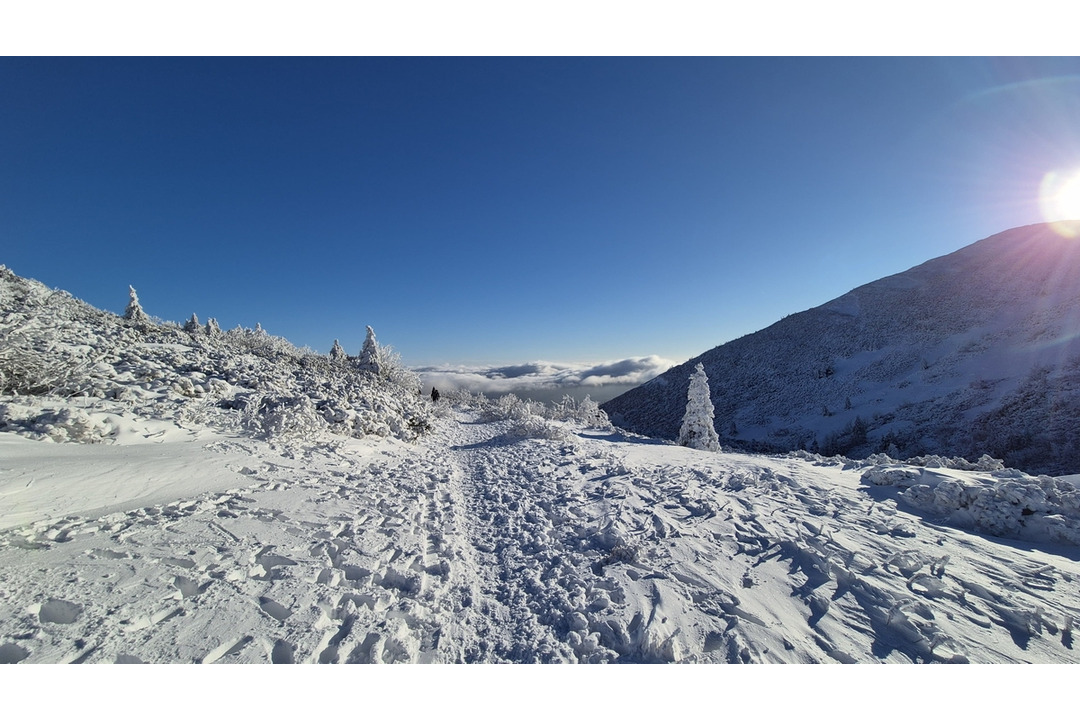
x=480, y=543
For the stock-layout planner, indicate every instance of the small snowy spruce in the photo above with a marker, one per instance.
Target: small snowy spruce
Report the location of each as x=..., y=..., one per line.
x=337, y=353
x=212, y=328
x=697, y=427
x=134, y=309
x=193, y=326
x=369, y=354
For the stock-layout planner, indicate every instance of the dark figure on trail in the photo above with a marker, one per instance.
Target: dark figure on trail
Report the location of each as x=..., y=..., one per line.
x=434, y=395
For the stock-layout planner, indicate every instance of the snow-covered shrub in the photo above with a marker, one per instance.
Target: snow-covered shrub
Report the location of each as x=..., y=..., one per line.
x=951, y=495
x=284, y=418
x=70, y=424
x=24, y=371
x=259, y=342
x=369, y=354
x=899, y=476
x=983, y=464
x=461, y=397
x=1008, y=504
x=587, y=412
x=536, y=427
x=337, y=353
x=392, y=370
x=511, y=407
x=193, y=326
x=697, y=427
x=134, y=311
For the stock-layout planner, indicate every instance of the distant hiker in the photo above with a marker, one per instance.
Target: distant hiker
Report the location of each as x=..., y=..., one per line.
x=434, y=395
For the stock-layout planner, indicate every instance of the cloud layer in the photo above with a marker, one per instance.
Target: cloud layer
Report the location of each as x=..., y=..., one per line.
x=541, y=375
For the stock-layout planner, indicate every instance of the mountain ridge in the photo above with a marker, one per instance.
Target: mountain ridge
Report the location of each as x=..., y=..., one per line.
x=974, y=352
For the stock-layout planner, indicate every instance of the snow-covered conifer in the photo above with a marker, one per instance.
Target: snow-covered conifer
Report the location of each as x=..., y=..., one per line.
x=337, y=353
x=193, y=325
x=369, y=354
x=212, y=328
x=697, y=427
x=134, y=310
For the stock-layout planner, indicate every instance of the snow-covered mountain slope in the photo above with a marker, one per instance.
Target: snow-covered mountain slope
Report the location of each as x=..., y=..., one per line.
x=173, y=497
x=971, y=353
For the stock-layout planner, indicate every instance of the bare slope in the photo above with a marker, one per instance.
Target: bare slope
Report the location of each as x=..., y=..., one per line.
x=971, y=353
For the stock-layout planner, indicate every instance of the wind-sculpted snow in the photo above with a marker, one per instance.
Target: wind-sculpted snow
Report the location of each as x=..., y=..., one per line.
x=976, y=352
x=482, y=542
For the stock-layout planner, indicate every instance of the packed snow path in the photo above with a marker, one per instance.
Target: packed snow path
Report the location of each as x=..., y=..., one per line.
x=481, y=543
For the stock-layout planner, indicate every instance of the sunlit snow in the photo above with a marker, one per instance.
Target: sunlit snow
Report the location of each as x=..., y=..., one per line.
x=182, y=497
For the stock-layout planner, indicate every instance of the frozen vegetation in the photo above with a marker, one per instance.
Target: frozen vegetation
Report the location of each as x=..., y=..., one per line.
x=180, y=494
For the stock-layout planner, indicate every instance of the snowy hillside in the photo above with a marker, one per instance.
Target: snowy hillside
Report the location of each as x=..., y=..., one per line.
x=976, y=352
x=300, y=510
x=81, y=374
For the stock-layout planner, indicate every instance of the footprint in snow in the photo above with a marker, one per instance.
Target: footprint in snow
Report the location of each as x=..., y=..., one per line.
x=10, y=653
x=60, y=612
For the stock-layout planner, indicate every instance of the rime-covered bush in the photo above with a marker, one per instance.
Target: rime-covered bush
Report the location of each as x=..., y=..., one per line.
x=462, y=398
x=134, y=311
x=369, y=354
x=69, y=424
x=284, y=418
x=193, y=325
x=511, y=407
x=587, y=413
x=536, y=427
x=1006, y=503
x=697, y=427
x=392, y=370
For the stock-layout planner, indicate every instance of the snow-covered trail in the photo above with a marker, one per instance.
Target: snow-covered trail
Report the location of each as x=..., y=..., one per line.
x=482, y=543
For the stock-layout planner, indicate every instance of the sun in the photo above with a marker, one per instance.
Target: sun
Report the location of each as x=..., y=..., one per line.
x=1059, y=198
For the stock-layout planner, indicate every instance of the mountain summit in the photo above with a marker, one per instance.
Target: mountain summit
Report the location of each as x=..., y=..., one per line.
x=974, y=352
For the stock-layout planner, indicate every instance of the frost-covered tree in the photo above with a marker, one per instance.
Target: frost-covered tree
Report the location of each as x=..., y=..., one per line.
x=697, y=426
x=134, y=309
x=212, y=328
x=193, y=326
x=369, y=354
x=337, y=353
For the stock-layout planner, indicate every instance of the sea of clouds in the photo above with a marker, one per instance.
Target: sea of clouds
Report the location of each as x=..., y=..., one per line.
x=548, y=381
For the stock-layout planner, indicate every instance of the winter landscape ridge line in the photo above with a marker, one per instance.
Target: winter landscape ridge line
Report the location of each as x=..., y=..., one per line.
x=317, y=509
x=976, y=352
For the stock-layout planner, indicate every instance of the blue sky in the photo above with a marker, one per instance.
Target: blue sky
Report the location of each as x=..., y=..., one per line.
x=506, y=210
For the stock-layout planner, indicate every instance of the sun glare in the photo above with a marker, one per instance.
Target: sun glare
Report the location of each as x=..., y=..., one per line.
x=1059, y=198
